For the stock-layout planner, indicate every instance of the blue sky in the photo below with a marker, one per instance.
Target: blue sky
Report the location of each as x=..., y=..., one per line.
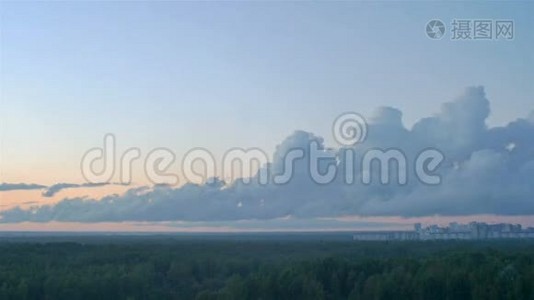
x=235, y=74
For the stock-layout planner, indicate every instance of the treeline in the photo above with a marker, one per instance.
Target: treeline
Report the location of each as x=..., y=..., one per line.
x=266, y=270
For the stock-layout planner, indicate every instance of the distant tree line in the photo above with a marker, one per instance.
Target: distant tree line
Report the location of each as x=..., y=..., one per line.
x=265, y=270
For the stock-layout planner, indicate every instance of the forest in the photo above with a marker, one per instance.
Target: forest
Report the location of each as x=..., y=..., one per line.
x=270, y=267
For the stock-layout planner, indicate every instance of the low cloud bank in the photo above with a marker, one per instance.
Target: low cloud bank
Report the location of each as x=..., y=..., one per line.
x=485, y=171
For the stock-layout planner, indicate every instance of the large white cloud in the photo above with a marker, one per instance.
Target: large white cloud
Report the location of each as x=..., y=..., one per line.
x=485, y=171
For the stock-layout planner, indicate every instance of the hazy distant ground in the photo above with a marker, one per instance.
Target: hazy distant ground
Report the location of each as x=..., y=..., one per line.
x=260, y=266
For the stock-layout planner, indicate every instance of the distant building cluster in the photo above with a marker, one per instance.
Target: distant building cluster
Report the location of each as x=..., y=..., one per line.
x=455, y=231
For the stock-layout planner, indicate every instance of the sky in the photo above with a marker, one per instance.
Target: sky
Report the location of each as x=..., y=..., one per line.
x=268, y=75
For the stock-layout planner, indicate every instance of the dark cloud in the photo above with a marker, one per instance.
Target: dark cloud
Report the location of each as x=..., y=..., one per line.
x=485, y=171
x=20, y=186
x=49, y=191
x=54, y=189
